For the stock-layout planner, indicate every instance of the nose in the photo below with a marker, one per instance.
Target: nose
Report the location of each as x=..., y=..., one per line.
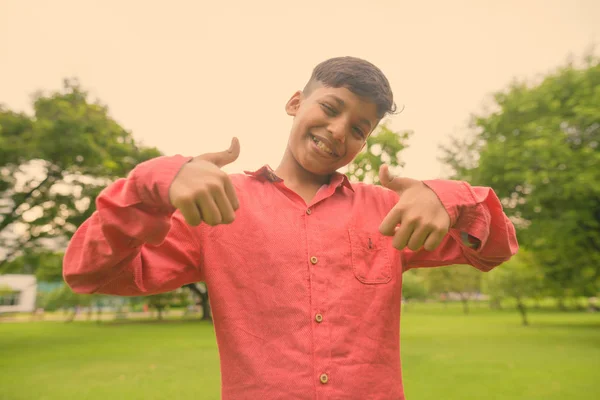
x=338, y=131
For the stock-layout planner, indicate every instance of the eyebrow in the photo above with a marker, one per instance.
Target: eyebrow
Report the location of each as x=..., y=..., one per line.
x=341, y=103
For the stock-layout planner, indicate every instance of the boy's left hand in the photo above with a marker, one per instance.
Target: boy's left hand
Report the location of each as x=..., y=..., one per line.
x=419, y=219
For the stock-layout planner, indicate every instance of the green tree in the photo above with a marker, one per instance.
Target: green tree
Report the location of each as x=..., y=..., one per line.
x=162, y=301
x=6, y=291
x=539, y=148
x=461, y=280
x=201, y=293
x=519, y=278
x=413, y=286
x=53, y=164
x=64, y=297
x=46, y=265
x=383, y=146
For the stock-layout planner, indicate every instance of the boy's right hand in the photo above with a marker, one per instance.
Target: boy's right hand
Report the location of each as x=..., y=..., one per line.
x=203, y=192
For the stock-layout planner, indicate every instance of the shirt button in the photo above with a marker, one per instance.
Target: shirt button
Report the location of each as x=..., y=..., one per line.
x=318, y=318
x=313, y=260
x=308, y=211
x=324, y=378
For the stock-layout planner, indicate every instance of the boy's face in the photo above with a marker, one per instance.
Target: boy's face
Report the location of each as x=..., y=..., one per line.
x=330, y=127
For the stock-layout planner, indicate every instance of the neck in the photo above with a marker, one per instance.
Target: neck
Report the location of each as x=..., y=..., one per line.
x=294, y=175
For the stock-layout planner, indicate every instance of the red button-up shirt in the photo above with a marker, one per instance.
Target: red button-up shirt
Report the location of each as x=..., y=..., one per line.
x=305, y=297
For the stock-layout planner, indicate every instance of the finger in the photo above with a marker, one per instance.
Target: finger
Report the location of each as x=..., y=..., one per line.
x=225, y=207
x=417, y=238
x=434, y=239
x=390, y=222
x=222, y=158
x=231, y=194
x=210, y=212
x=191, y=213
x=402, y=235
x=397, y=184
x=384, y=175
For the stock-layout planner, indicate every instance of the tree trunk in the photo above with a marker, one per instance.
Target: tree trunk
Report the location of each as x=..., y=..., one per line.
x=71, y=317
x=495, y=303
x=120, y=314
x=465, y=301
x=206, y=313
x=523, y=311
x=593, y=305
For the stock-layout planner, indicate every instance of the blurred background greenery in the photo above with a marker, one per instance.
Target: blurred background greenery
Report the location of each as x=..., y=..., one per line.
x=529, y=329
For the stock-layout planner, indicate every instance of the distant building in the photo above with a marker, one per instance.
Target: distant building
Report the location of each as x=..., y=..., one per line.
x=17, y=293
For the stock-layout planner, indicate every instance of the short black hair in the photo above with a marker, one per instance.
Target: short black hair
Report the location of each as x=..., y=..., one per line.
x=357, y=75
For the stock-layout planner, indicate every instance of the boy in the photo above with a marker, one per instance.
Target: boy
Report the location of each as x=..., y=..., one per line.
x=304, y=268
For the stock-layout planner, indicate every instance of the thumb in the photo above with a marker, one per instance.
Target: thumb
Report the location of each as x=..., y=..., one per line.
x=222, y=158
x=397, y=184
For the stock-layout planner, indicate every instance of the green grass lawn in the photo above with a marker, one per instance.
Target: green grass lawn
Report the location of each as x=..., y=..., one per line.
x=446, y=355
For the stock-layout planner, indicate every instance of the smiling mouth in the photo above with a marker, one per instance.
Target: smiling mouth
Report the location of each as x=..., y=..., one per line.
x=322, y=146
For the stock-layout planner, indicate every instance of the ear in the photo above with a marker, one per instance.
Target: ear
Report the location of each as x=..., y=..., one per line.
x=293, y=104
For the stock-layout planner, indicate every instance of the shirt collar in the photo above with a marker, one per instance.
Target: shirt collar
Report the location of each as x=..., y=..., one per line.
x=266, y=173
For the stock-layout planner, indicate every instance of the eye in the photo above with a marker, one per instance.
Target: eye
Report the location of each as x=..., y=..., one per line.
x=359, y=132
x=328, y=109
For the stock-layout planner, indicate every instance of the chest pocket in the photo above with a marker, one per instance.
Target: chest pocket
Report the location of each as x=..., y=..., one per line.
x=370, y=257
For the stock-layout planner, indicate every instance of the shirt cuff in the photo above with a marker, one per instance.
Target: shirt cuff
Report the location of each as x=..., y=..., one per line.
x=470, y=241
x=467, y=215
x=454, y=195
x=153, y=180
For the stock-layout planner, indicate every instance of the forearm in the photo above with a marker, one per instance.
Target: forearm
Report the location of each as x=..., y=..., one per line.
x=116, y=245
x=480, y=233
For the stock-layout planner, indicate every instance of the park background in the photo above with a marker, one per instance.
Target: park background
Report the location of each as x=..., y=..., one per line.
x=502, y=94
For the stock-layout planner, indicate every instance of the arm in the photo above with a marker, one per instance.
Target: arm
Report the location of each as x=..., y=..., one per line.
x=135, y=243
x=480, y=233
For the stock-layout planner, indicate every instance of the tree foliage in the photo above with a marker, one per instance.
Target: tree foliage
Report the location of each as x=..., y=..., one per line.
x=519, y=278
x=414, y=286
x=539, y=149
x=382, y=146
x=461, y=280
x=45, y=265
x=162, y=301
x=53, y=164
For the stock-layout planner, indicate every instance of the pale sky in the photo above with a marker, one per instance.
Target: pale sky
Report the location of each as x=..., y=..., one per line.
x=186, y=76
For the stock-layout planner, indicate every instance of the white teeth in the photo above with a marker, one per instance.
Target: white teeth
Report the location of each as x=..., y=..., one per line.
x=322, y=146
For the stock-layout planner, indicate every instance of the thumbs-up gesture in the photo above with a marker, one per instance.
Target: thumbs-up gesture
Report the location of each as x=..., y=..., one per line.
x=203, y=192
x=419, y=219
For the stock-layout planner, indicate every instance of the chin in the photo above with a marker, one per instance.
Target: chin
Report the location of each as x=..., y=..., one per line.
x=316, y=167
